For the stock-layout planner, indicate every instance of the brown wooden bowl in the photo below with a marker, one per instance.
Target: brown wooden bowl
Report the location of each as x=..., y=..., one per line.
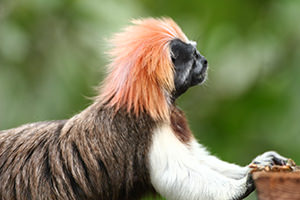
x=277, y=185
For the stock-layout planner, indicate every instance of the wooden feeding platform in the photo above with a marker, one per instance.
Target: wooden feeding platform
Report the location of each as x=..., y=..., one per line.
x=277, y=182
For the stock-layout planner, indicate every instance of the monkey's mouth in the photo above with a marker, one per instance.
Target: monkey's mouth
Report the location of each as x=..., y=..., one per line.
x=203, y=73
x=200, y=77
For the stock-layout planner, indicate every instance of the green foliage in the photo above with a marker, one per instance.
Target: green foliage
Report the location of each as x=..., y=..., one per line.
x=53, y=52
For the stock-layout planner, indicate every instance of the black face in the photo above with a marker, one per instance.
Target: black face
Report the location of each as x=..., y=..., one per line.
x=190, y=66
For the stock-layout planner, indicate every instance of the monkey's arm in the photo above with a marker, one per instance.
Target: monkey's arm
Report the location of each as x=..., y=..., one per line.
x=178, y=173
x=227, y=169
x=232, y=170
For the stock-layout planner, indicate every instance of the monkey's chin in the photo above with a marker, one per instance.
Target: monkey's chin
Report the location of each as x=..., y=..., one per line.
x=198, y=80
x=202, y=78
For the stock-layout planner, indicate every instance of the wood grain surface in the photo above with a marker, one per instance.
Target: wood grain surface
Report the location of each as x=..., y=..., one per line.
x=277, y=185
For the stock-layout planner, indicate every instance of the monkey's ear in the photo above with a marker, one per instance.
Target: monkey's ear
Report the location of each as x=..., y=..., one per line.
x=174, y=51
x=173, y=56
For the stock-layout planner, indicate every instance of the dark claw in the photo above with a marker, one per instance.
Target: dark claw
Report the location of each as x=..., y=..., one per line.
x=278, y=161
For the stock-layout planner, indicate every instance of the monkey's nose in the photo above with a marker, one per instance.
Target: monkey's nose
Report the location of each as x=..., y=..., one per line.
x=203, y=62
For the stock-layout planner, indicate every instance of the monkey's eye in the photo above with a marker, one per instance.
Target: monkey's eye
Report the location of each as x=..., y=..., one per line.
x=196, y=54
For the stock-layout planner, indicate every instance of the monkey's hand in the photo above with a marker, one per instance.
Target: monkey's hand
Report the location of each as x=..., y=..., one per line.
x=270, y=158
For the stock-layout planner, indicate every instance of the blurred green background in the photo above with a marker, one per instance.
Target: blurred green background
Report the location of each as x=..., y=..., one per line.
x=52, y=55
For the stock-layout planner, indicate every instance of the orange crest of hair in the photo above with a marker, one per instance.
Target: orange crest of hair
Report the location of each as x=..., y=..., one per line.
x=141, y=72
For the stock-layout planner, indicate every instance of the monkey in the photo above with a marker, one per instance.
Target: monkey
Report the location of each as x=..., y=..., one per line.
x=133, y=140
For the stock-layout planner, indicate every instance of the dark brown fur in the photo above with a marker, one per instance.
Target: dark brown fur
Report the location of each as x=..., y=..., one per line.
x=98, y=154
x=180, y=126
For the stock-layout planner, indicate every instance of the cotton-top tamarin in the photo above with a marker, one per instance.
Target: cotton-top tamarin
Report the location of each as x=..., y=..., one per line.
x=132, y=140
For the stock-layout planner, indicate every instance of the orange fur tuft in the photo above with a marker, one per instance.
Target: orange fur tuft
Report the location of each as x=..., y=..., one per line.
x=141, y=71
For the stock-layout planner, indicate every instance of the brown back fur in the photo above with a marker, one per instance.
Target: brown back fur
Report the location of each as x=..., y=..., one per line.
x=98, y=154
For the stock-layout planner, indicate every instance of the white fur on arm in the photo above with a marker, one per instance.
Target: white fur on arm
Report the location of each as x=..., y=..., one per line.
x=228, y=169
x=178, y=174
